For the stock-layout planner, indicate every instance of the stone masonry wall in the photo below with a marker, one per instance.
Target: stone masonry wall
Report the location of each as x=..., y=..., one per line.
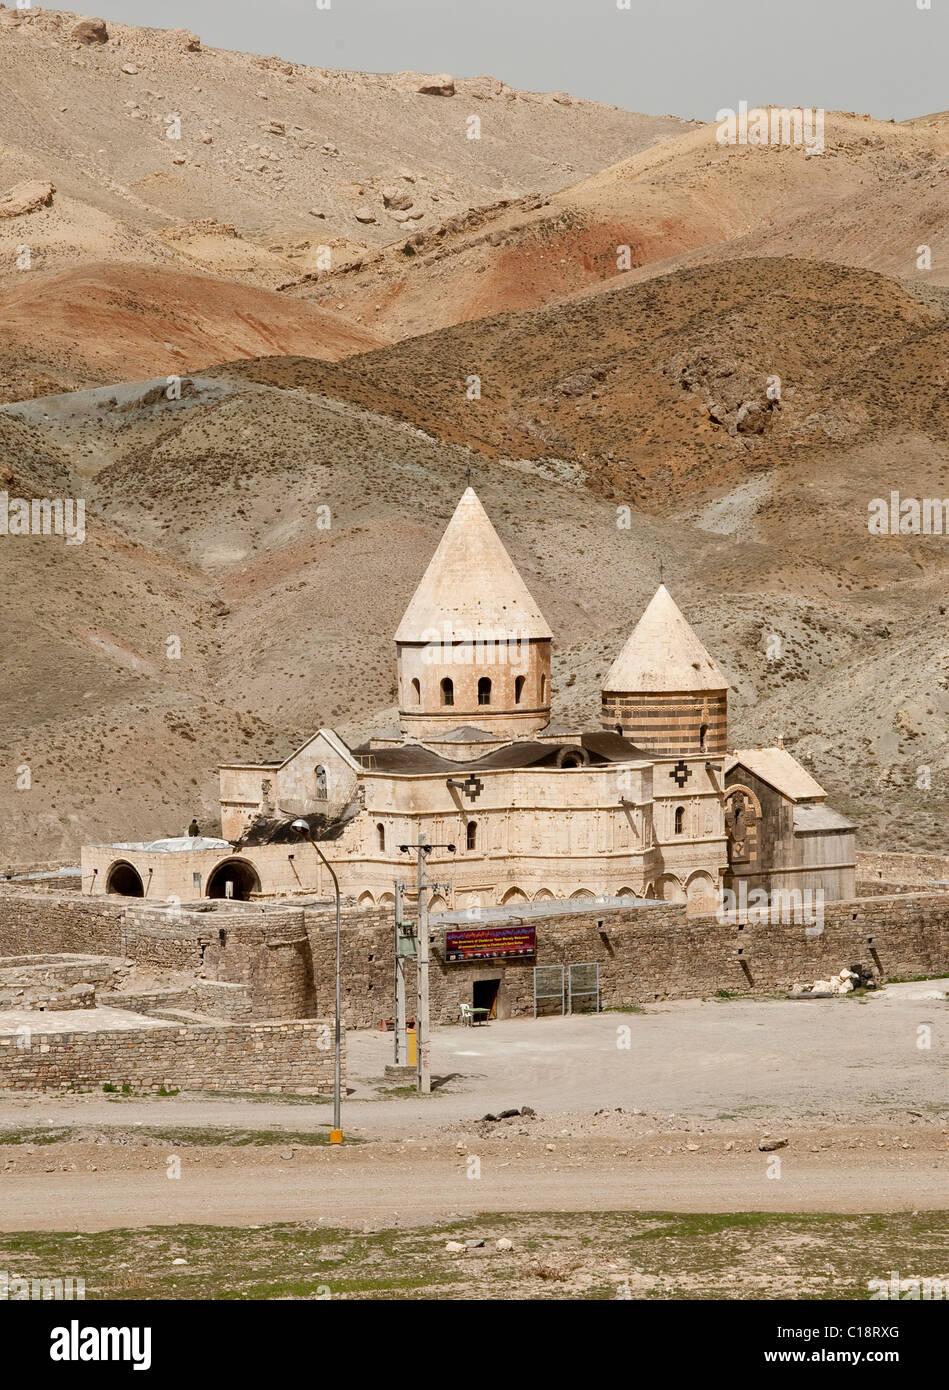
x=162, y=937
x=40, y=923
x=264, y=949
x=212, y=997
x=877, y=870
x=645, y=954
x=291, y=1058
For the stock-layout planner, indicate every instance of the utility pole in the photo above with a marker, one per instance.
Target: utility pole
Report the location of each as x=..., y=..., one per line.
x=423, y=957
x=423, y=1024
x=399, y=990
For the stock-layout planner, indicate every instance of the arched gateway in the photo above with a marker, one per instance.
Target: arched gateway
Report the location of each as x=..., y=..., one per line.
x=241, y=876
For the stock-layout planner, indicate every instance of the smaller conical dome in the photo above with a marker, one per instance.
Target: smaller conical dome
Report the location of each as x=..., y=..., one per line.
x=663, y=654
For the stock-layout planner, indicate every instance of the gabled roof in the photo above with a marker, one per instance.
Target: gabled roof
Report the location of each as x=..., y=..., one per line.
x=335, y=742
x=471, y=586
x=663, y=654
x=776, y=767
x=811, y=816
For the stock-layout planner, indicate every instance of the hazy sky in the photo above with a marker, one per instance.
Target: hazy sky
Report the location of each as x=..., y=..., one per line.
x=684, y=57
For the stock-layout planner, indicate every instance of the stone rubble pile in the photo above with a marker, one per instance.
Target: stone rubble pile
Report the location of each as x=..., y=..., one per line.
x=849, y=979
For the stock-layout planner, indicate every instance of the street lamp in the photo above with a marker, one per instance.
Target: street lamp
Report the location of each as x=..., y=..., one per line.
x=336, y=1133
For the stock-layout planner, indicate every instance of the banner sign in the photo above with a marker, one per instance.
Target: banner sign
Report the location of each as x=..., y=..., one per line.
x=475, y=943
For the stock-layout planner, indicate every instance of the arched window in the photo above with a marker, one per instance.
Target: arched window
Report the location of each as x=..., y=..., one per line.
x=702, y=735
x=519, y=689
x=484, y=691
x=381, y=836
x=680, y=819
x=320, y=773
x=472, y=835
x=448, y=691
x=416, y=690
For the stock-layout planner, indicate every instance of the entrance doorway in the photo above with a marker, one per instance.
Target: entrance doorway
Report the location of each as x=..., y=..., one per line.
x=125, y=880
x=484, y=995
x=235, y=878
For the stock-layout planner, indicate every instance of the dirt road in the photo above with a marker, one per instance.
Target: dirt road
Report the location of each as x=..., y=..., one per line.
x=663, y=1110
x=406, y=1186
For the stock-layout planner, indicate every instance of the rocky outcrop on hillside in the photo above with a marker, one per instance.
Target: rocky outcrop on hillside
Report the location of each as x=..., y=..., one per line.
x=26, y=197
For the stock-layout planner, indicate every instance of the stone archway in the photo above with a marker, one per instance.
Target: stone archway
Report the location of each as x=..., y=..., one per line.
x=123, y=878
x=701, y=895
x=242, y=876
x=670, y=890
x=514, y=895
x=742, y=819
x=572, y=756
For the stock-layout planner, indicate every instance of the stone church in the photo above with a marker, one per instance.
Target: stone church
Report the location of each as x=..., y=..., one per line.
x=646, y=803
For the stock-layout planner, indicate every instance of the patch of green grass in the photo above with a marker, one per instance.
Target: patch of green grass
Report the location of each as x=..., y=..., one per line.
x=183, y=1136
x=557, y=1255
x=35, y=1136
x=264, y=1098
x=118, y=1094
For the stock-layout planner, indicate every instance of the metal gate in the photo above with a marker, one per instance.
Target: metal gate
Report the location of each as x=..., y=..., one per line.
x=583, y=982
x=548, y=984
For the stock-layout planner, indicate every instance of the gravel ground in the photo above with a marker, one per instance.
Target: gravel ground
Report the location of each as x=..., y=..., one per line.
x=673, y=1122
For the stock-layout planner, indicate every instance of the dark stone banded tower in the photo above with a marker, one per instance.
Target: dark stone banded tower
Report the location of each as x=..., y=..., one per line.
x=664, y=692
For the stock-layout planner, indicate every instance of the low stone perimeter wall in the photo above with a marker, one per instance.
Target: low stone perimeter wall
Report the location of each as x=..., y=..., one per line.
x=277, y=962
x=288, y=1058
x=881, y=872
x=646, y=954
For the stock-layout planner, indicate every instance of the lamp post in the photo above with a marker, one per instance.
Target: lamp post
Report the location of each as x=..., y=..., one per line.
x=336, y=1133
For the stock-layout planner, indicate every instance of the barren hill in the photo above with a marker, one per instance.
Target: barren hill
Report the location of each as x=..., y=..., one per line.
x=275, y=159
x=207, y=521
x=660, y=390
x=877, y=192
x=63, y=330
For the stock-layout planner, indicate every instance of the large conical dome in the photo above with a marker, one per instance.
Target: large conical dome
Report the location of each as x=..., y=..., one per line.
x=472, y=584
x=663, y=654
